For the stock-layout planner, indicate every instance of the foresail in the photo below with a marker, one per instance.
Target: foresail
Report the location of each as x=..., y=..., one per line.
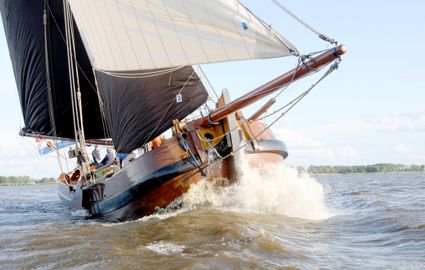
x=149, y=34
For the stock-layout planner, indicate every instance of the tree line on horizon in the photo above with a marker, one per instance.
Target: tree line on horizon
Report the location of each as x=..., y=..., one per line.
x=313, y=169
x=24, y=180
x=374, y=168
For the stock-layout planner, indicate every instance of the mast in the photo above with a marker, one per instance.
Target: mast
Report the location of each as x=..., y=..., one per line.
x=80, y=143
x=307, y=68
x=48, y=81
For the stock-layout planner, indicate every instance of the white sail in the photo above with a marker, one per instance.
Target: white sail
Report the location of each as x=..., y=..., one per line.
x=148, y=34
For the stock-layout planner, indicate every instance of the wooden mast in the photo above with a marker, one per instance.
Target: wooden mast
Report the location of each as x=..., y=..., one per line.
x=309, y=67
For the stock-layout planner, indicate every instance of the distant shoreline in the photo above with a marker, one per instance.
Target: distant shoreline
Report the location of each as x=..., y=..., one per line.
x=25, y=181
x=26, y=184
x=373, y=168
x=311, y=170
x=401, y=172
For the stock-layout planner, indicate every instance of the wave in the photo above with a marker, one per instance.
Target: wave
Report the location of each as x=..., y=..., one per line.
x=274, y=188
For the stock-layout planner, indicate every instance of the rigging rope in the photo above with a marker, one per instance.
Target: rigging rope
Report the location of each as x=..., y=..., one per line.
x=291, y=104
x=208, y=81
x=268, y=26
x=49, y=84
x=106, y=130
x=295, y=101
x=298, y=19
x=301, y=59
x=70, y=69
x=141, y=74
x=74, y=57
x=169, y=107
x=64, y=40
x=77, y=110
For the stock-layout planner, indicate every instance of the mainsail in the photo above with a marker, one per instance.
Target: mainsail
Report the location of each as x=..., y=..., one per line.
x=150, y=34
x=138, y=53
x=45, y=114
x=132, y=44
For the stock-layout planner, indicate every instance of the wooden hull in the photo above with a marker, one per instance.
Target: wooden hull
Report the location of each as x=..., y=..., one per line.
x=150, y=182
x=159, y=177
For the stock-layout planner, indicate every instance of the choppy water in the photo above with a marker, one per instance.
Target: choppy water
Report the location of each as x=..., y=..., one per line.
x=278, y=220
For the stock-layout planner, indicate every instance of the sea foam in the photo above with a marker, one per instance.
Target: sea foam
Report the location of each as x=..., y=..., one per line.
x=274, y=188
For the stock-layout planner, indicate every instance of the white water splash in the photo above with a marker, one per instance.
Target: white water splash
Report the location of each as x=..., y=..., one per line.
x=165, y=248
x=80, y=213
x=275, y=188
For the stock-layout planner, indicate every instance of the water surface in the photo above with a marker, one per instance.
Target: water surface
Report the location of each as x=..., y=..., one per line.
x=281, y=221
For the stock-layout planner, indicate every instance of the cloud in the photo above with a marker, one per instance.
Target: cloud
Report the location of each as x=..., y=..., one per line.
x=415, y=75
x=8, y=86
x=19, y=156
x=13, y=145
x=401, y=149
x=407, y=154
x=402, y=122
x=304, y=147
x=346, y=151
x=7, y=78
x=296, y=139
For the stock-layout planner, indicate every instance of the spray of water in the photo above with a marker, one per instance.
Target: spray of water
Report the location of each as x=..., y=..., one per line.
x=274, y=188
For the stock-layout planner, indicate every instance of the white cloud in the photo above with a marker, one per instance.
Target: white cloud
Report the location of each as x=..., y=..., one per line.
x=408, y=154
x=402, y=122
x=305, y=149
x=8, y=86
x=415, y=75
x=346, y=151
x=19, y=156
x=13, y=145
x=296, y=139
x=7, y=79
x=402, y=149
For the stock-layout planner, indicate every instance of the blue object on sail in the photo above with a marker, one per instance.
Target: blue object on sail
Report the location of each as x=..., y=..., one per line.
x=52, y=146
x=244, y=26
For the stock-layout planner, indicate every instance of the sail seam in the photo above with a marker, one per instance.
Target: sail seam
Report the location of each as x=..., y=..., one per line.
x=106, y=38
x=128, y=34
x=143, y=36
x=91, y=28
x=217, y=31
x=118, y=41
x=160, y=38
x=177, y=34
x=197, y=32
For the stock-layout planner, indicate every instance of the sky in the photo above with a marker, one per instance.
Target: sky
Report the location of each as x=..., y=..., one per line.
x=371, y=110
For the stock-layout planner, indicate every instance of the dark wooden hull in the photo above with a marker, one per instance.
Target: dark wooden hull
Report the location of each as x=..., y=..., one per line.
x=150, y=182
x=159, y=177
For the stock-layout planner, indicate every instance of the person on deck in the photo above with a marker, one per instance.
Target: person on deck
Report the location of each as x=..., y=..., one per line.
x=96, y=155
x=108, y=159
x=157, y=142
x=121, y=157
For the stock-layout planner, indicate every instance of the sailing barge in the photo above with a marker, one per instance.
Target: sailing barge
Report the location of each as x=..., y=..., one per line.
x=120, y=73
